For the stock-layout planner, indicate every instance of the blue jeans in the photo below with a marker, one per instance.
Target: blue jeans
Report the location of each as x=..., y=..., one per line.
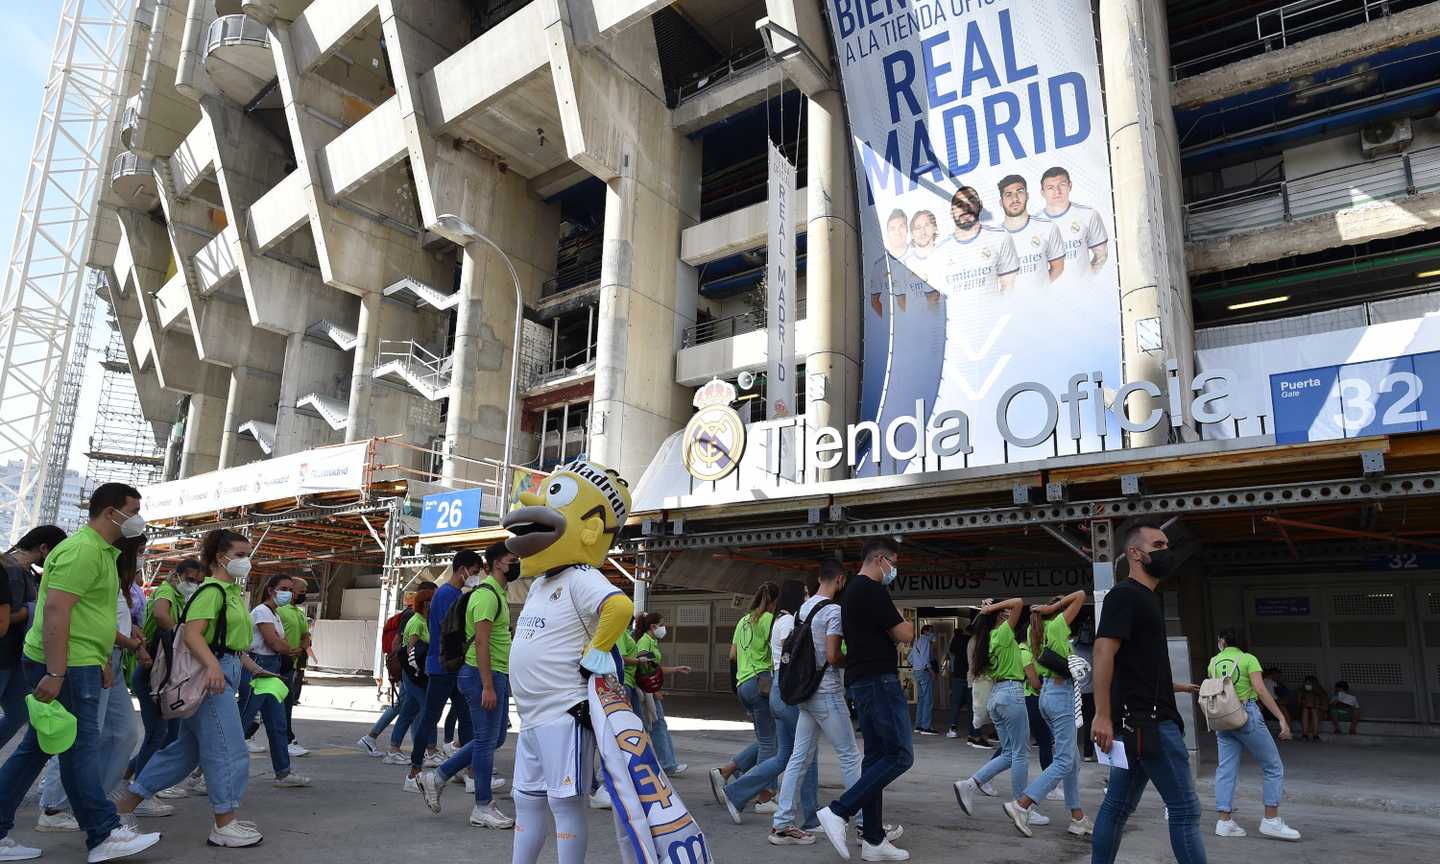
x=960, y=700
x=490, y=728
x=118, y=738
x=758, y=707
x=441, y=689
x=157, y=732
x=412, y=703
x=660, y=737
x=80, y=766
x=822, y=714
x=765, y=774
x=885, y=725
x=1169, y=770
x=272, y=713
x=389, y=714
x=1254, y=737
x=1012, y=720
x=1057, y=709
x=12, y=703
x=212, y=739
x=924, y=701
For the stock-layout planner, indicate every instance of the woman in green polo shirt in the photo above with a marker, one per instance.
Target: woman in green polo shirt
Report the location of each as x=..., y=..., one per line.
x=750, y=652
x=217, y=629
x=995, y=626
x=1235, y=663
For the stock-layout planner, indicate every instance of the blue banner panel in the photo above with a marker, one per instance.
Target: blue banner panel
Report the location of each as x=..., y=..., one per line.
x=1379, y=397
x=445, y=512
x=1306, y=405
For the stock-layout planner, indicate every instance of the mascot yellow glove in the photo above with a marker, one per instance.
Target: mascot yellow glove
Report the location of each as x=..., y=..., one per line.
x=615, y=616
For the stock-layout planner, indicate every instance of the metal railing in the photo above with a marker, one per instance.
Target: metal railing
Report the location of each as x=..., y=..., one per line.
x=236, y=30
x=1278, y=28
x=728, y=327
x=1382, y=179
x=741, y=62
x=538, y=373
x=417, y=364
x=130, y=164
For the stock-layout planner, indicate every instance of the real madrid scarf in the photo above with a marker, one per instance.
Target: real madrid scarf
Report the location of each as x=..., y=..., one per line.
x=648, y=810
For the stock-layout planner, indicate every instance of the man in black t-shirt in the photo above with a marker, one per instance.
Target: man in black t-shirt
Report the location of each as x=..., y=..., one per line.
x=1135, y=705
x=872, y=626
x=959, y=651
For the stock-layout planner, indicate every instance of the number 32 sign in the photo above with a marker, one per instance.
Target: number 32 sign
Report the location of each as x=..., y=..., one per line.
x=1379, y=397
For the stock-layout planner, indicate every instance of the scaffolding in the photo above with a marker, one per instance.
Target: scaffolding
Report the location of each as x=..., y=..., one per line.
x=122, y=447
x=67, y=408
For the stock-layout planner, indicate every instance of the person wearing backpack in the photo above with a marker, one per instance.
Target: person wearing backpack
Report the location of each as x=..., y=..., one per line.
x=823, y=713
x=216, y=628
x=267, y=648
x=411, y=647
x=390, y=638
x=766, y=774
x=442, y=686
x=161, y=610
x=1235, y=663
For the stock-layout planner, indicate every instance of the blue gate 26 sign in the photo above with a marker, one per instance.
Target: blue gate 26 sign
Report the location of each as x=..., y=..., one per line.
x=444, y=512
x=1379, y=397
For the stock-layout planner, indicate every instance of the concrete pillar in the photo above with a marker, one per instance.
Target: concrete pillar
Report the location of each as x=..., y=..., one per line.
x=203, y=425
x=833, y=272
x=234, y=404
x=463, y=372
x=287, y=431
x=1144, y=161
x=362, y=381
x=612, y=335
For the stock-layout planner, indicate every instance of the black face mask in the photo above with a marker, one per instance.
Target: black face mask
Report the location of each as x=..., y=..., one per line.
x=1161, y=564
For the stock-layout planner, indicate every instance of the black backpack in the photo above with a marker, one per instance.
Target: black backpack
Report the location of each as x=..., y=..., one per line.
x=799, y=674
x=453, y=644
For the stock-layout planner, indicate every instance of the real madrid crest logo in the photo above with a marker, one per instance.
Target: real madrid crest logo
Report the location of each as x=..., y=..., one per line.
x=715, y=437
x=1035, y=241
x=1075, y=227
x=986, y=253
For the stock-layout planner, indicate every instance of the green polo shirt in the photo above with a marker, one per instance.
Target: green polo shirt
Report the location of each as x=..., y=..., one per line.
x=647, y=644
x=83, y=565
x=293, y=619
x=490, y=605
x=1005, y=662
x=628, y=648
x=752, y=647
x=1236, y=664
x=416, y=626
x=164, y=591
x=205, y=606
x=1057, y=639
x=1027, y=658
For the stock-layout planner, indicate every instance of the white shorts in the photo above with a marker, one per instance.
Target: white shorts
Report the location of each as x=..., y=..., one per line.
x=556, y=759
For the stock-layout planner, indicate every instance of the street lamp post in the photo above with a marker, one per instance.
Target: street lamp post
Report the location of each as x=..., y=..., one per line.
x=455, y=224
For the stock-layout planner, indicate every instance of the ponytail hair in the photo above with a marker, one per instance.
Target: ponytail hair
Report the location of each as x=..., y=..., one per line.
x=214, y=544
x=643, y=622
x=764, y=598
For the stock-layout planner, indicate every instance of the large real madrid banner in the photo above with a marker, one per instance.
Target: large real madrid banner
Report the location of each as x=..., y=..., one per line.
x=983, y=179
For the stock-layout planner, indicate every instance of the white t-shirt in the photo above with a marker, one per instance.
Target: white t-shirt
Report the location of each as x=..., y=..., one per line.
x=1347, y=699
x=556, y=623
x=779, y=632
x=1081, y=229
x=1036, y=245
x=825, y=623
x=263, y=614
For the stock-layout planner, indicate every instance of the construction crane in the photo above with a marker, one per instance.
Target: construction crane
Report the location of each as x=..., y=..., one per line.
x=46, y=274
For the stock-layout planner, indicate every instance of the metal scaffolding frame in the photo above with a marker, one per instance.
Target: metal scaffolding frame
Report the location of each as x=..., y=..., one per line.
x=45, y=277
x=122, y=446
x=68, y=406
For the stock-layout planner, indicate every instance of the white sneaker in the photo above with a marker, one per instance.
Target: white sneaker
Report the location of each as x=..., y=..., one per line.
x=601, y=800
x=1082, y=827
x=1020, y=816
x=411, y=785
x=834, y=828
x=152, y=809
x=767, y=807
x=174, y=793
x=1277, y=829
x=431, y=787
x=680, y=769
x=733, y=810
x=893, y=832
x=489, y=816
x=295, y=750
x=291, y=781
x=432, y=760
x=368, y=744
x=1056, y=794
x=497, y=783
x=886, y=851
x=988, y=791
x=952, y=734
x=1225, y=828
x=717, y=786
x=1036, y=817
x=198, y=788
x=255, y=746
x=395, y=757
x=235, y=835
x=54, y=823
x=12, y=851
x=122, y=843
x=965, y=795
x=469, y=783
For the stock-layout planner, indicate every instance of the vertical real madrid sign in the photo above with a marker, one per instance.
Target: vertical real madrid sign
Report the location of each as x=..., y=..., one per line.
x=780, y=287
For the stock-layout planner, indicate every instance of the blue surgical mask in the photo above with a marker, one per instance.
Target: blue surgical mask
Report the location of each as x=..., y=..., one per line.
x=891, y=574
x=282, y=598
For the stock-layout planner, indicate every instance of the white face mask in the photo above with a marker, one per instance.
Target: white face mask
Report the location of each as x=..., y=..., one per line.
x=187, y=589
x=660, y=631
x=131, y=526
x=472, y=580
x=238, y=568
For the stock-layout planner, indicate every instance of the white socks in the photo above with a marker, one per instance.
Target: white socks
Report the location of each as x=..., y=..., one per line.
x=533, y=825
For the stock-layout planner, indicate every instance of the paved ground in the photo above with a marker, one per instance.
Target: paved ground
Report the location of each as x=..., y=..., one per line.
x=356, y=811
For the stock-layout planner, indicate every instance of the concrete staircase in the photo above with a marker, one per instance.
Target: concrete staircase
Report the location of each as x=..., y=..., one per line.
x=420, y=369
x=414, y=291
x=335, y=412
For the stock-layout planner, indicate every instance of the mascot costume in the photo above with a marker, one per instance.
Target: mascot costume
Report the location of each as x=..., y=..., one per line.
x=563, y=680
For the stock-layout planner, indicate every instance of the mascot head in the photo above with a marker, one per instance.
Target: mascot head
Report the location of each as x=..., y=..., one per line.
x=574, y=520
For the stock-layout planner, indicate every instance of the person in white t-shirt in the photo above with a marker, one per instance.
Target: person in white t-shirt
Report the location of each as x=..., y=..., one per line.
x=1037, y=240
x=267, y=648
x=1087, y=243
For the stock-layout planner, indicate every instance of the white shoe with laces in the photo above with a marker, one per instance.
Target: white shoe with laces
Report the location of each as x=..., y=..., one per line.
x=411, y=785
x=431, y=787
x=198, y=788
x=395, y=757
x=235, y=835
x=893, y=832
x=152, y=809
x=988, y=791
x=1056, y=794
x=680, y=769
x=952, y=734
x=370, y=746
x=600, y=799
x=497, y=783
x=1082, y=827
x=122, y=843
x=489, y=816
x=965, y=795
x=291, y=781
x=1276, y=829
x=885, y=851
x=469, y=783
x=834, y=828
x=1020, y=816
x=255, y=746
x=12, y=851
x=174, y=793
x=1228, y=828
x=55, y=823
x=766, y=807
x=1038, y=818
x=296, y=751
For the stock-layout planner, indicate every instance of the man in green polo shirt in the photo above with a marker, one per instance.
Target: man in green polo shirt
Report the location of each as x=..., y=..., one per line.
x=485, y=682
x=67, y=659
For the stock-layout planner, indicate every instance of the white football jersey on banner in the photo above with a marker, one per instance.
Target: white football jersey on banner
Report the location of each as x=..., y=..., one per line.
x=1081, y=229
x=1036, y=245
x=559, y=617
x=924, y=268
x=969, y=268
